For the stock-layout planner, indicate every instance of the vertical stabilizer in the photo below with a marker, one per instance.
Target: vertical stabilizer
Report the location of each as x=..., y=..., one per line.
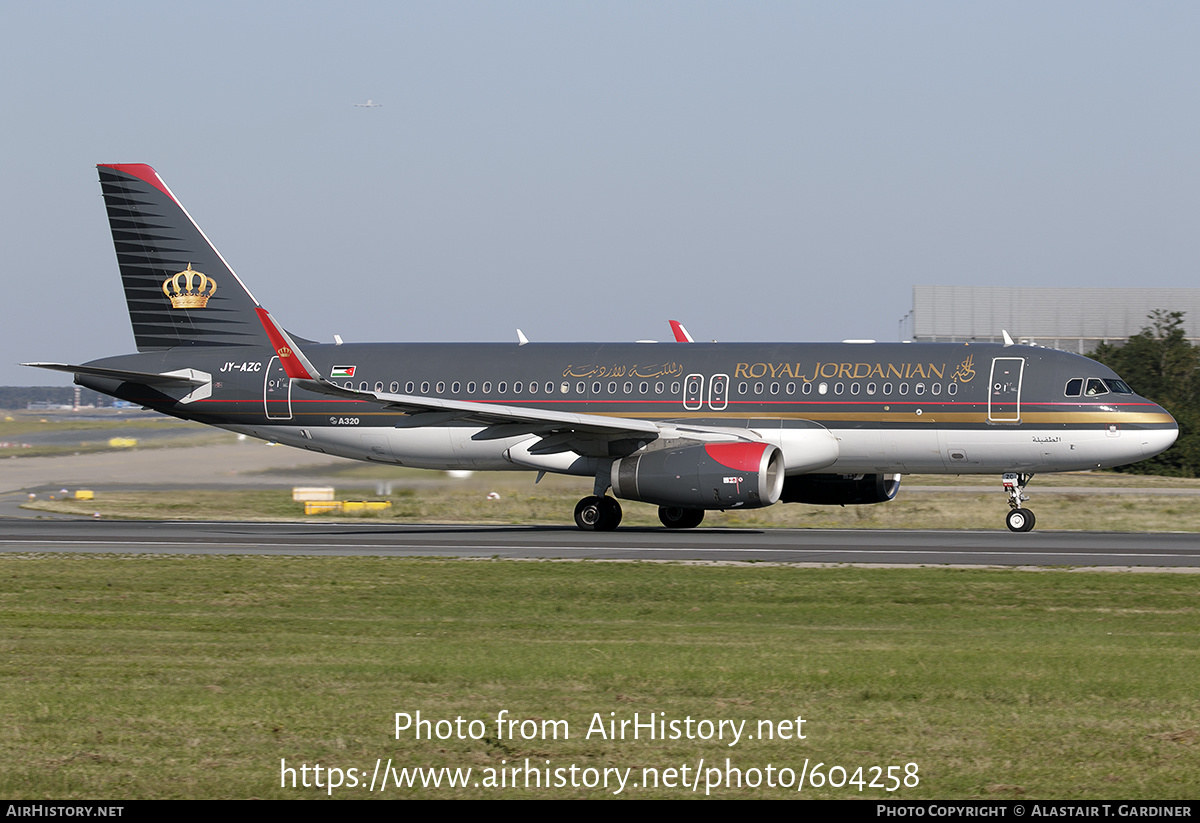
x=179, y=289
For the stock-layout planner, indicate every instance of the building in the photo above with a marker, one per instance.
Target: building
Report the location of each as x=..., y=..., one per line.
x=1075, y=320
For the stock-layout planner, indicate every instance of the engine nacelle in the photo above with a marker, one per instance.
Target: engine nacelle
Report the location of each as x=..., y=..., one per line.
x=700, y=475
x=840, y=489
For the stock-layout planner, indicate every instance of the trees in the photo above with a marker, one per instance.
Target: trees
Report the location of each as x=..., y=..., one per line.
x=1159, y=363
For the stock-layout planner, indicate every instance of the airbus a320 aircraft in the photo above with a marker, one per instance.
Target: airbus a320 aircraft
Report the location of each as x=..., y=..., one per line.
x=688, y=428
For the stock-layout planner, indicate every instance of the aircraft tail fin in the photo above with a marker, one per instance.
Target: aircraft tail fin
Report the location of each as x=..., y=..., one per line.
x=179, y=289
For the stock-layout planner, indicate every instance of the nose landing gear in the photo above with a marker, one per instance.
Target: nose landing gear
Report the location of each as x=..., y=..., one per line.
x=1018, y=519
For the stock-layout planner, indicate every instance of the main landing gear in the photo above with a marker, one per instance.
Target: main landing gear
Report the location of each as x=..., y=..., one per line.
x=1018, y=519
x=600, y=514
x=674, y=517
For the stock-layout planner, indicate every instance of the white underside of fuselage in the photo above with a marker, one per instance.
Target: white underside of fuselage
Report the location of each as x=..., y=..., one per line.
x=845, y=451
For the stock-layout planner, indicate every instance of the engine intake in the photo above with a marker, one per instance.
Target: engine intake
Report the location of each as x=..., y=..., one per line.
x=698, y=475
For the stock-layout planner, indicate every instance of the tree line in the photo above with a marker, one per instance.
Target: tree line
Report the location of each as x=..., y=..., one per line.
x=1160, y=364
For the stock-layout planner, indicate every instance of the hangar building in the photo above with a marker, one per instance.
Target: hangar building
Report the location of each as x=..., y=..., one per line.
x=1075, y=320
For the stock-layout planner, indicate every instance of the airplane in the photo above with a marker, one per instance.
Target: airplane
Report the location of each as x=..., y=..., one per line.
x=688, y=428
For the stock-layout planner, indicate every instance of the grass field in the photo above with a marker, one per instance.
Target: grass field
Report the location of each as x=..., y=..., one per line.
x=438, y=500
x=137, y=676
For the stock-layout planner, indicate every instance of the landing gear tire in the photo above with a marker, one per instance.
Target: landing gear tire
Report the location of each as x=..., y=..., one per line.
x=1020, y=520
x=600, y=514
x=674, y=517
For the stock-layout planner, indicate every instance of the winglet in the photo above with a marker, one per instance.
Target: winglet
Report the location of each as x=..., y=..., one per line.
x=294, y=362
x=1008, y=341
x=681, y=334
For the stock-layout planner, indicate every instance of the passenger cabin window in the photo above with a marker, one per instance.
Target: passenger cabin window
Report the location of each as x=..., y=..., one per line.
x=1074, y=387
x=502, y=387
x=455, y=387
x=441, y=386
x=487, y=387
x=409, y=387
x=395, y=387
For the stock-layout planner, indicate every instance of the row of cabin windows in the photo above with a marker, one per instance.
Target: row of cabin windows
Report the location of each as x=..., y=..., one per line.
x=517, y=387
x=598, y=387
x=1095, y=386
x=853, y=388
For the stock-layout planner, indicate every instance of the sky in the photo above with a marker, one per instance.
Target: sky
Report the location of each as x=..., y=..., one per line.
x=588, y=171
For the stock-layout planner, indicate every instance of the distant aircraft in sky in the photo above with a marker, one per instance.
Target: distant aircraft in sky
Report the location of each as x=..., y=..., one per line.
x=370, y=104
x=687, y=428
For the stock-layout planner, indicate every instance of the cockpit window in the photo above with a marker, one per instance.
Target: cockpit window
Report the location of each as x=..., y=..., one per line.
x=1074, y=387
x=1095, y=386
x=1118, y=386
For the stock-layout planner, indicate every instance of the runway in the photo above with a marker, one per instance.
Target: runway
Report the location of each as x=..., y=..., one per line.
x=1174, y=551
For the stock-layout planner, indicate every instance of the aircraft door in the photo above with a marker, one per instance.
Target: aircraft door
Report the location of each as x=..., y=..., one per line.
x=693, y=392
x=277, y=392
x=1004, y=391
x=718, y=392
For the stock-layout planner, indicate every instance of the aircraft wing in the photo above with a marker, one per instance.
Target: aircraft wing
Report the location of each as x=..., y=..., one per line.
x=503, y=421
x=429, y=411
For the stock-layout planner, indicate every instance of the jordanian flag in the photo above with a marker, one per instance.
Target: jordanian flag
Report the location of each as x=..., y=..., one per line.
x=343, y=371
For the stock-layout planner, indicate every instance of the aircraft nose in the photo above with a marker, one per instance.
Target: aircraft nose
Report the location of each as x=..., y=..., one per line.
x=1156, y=441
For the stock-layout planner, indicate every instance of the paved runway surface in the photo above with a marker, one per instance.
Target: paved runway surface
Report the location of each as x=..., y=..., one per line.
x=1179, y=552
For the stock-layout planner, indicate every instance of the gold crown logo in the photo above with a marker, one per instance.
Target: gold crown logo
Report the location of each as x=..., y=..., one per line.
x=284, y=351
x=189, y=289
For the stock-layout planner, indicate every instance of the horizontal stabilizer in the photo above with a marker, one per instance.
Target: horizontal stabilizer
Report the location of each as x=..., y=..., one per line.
x=182, y=377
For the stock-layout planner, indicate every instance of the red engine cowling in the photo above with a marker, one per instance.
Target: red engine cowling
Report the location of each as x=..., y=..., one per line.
x=840, y=489
x=700, y=475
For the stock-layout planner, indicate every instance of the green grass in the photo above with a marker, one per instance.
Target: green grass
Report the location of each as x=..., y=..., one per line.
x=152, y=676
x=552, y=502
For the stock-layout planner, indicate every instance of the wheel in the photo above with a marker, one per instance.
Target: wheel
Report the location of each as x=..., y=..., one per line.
x=1030, y=519
x=675, y=517
x=587, y=513
x=610, y=514
x=1020, y=520
x=600, y=514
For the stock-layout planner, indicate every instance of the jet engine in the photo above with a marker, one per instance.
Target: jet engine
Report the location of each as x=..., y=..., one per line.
x=840, y=489
x=701, y=475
